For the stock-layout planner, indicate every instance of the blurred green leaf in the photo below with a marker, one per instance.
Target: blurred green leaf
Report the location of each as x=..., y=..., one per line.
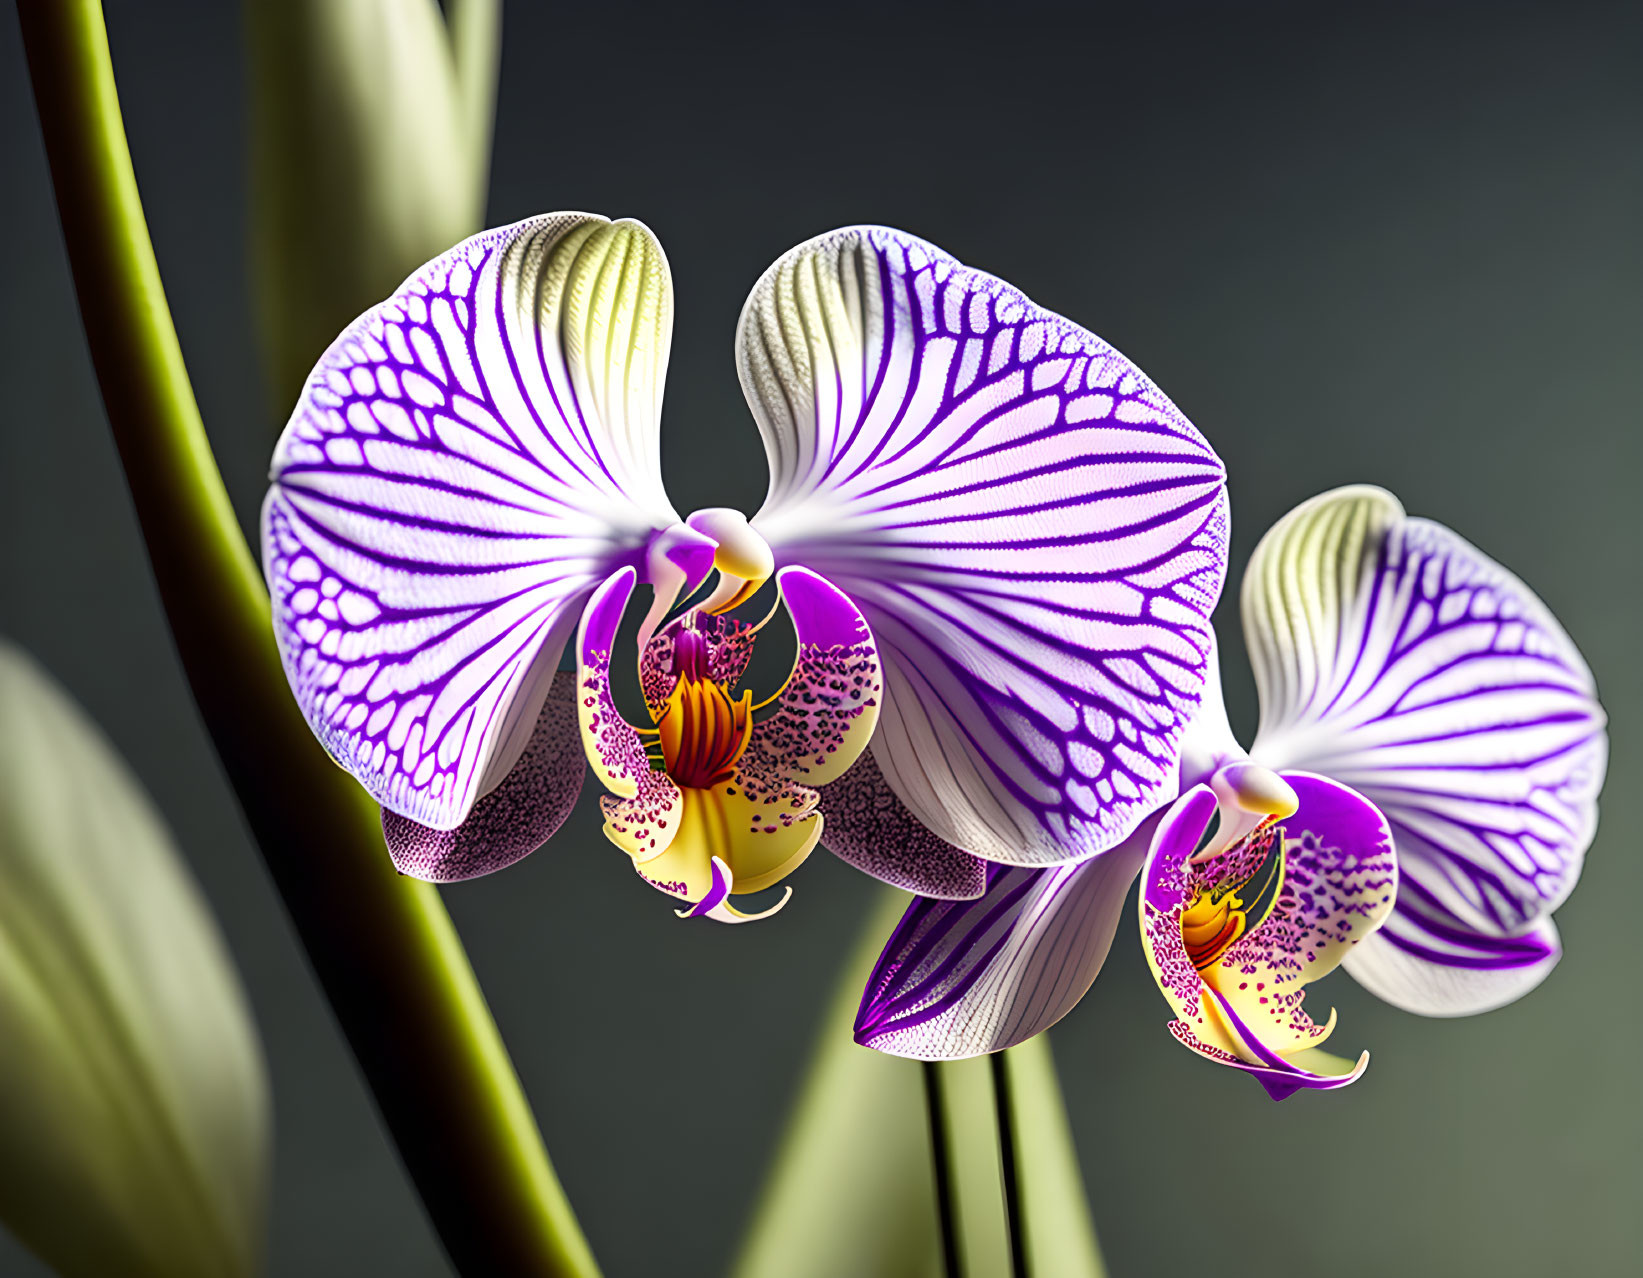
x=851, y=1190
x=1055, y=1205
x=371, y=140
x=133, y=1103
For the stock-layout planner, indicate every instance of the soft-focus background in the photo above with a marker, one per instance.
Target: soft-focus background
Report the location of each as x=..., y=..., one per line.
x=1386, y=244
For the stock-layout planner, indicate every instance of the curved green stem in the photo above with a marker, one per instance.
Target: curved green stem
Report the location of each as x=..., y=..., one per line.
x=382, y=946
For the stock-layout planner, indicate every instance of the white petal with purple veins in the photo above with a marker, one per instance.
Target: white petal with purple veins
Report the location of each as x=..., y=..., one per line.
x=514, y=819
x=1037, y=562
x=1394, y=656
x=468, y=460
x=963, y=978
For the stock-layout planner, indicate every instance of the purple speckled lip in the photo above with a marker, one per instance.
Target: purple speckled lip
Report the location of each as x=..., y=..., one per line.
x=1279, y=1077
x=1339, y=879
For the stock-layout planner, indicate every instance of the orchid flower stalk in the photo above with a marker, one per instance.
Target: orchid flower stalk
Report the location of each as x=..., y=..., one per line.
x=1415, y=805
x=382, y=946
x=996, y=542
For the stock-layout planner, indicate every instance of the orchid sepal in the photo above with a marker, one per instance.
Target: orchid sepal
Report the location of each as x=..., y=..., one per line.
x=512, y=820
x=1397, y=658
x=961, y=978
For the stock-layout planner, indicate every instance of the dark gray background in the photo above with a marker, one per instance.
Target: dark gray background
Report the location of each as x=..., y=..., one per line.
x=1379, y=244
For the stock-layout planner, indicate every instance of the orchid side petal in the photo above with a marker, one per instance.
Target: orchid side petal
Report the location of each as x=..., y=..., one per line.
x=1395, y=657
x=1234, y=940
x=467, y=461
x=1035, y=535
x=964, y=978
x=1427, y=963
x=871, y=829
x=514, y=819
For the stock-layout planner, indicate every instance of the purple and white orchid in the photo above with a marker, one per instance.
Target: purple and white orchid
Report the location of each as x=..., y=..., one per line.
x=999, y=545
x=1415, y=805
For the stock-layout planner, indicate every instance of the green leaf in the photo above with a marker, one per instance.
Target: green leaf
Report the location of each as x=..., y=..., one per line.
x=371, y=140
x=852, y=1189
x=1055, y=1205
x=133, y=1102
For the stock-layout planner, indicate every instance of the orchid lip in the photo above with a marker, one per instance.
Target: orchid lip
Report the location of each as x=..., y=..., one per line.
x=1235, y=938
x=710, y=802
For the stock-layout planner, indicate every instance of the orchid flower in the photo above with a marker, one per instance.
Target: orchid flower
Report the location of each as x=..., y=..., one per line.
x=1415, y=805
x=997, y=542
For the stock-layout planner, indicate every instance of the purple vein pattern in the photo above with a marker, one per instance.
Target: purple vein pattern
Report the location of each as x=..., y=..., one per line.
x=1395, y=657
x=962, y=978
x=467, y=461
x=1036, y=535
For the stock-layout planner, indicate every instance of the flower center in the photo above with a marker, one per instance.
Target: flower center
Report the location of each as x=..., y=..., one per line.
x=1223, y=912
x=702, y=732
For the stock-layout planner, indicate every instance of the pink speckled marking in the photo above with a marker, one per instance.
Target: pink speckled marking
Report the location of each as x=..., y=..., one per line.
x=514, y=819
x=1340, y=878
x=729, y=648
x=824, y=716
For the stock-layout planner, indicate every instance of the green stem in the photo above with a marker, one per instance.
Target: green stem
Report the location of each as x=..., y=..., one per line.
x=382, y=946
x=941, y=1166
x=1009, y=1154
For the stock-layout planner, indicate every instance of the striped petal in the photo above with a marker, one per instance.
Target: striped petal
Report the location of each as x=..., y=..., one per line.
x=964, y=978
x=467, y=461
x=1395, y=657
x=514, y=819
x=1424, y=961
x=1234, y=936
x=1035, y=534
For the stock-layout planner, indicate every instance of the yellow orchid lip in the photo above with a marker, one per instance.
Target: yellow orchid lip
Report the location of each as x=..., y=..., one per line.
x=1234, y=939
x=709, y=802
